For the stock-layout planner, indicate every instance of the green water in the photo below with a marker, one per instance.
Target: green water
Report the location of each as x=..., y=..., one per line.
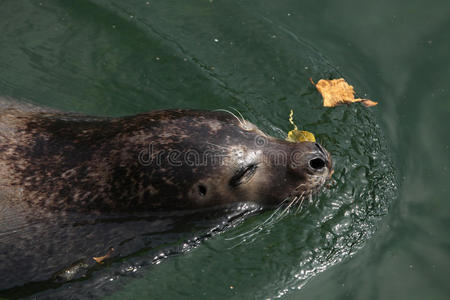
x=380, y=231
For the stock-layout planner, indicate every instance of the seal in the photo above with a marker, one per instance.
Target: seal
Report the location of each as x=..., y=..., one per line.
x=170, y=159
x=74, y=186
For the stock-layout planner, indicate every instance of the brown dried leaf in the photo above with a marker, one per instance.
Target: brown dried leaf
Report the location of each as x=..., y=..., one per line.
x=368, y=103
x=338, y=91
x=100, y=259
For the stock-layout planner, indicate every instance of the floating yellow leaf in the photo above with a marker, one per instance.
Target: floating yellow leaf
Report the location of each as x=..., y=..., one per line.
x=300, y=136
x=102, y=258
x=338, y=91
x=296, y=135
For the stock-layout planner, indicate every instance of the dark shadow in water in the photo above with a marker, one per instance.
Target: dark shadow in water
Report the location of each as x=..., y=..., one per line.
x=48, y=250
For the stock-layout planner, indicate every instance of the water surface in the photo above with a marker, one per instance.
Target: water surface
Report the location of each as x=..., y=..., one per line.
x=379, y=231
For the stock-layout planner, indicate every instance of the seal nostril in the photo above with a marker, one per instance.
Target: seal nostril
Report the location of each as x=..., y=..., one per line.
x=202, y=190
x=317, y=163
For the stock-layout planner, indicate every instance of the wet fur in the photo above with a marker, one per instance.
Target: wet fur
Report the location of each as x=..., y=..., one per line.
x=72, y=186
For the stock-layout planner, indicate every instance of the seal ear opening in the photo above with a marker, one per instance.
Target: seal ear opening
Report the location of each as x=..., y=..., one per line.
x=202, y=190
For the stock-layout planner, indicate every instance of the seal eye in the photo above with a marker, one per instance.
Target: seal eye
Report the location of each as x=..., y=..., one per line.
x=243, y=175
x=317, y=163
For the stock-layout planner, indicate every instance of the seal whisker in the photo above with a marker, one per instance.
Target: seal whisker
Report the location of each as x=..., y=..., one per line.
x=275, y=212
x=215, y=145
x=299, y=208
x=244, y=233
x=242, y=117
x=273, y=220
x=238, y=244
x=257, y=229
x=285, y=211
x=225, y=110
x=259, y=226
